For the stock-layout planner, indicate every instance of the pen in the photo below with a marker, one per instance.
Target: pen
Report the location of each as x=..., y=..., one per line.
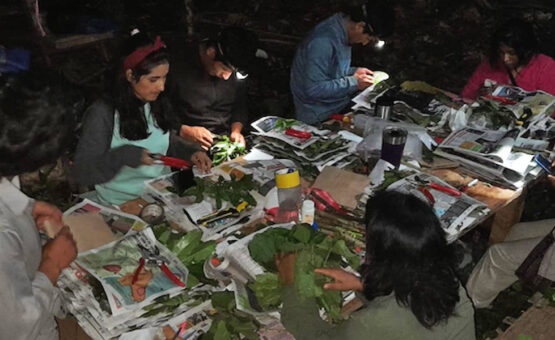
x=470, y=185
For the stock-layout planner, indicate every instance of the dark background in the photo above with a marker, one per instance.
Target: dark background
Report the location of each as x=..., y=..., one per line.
x=439, y=42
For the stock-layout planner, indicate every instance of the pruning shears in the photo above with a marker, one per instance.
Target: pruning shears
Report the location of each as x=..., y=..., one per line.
x=502, y=100
x=152, y=257
x=298, y=134
x=170, y=161
x=424, y=184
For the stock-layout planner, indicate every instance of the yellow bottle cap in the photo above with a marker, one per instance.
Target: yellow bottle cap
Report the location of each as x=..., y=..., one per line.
x=287, y=178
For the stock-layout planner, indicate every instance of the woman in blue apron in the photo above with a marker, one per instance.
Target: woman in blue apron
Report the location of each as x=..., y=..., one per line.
x=120, y=132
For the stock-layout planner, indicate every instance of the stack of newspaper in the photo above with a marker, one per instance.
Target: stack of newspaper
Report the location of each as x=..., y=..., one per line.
x=322, y=148
x=110, y=293
x=488, y=153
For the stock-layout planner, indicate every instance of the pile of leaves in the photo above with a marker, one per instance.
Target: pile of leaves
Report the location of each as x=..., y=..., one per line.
x=325, y=145
x=225, y=150
x=493, y=113
x=313, y=250
x=234, y=191
x=228, y=323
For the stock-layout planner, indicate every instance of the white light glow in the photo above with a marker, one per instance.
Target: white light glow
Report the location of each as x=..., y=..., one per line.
x=380, y=44
x=241, y=75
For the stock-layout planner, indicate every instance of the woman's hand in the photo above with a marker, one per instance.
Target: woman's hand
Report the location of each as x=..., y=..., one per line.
x=45, y=213
x=146, y=159
x=202, y=161
x=342, y=280
x=198, y=135
x=285, y=264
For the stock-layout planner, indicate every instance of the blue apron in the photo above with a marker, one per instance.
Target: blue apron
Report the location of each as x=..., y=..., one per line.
x=129, y=182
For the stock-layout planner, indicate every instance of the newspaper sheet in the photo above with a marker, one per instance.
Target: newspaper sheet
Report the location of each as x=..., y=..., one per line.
x=489, y=149
x=115, y=264
x=456, y=214
x=539, y=102
x=266, y=126
x=119, y=222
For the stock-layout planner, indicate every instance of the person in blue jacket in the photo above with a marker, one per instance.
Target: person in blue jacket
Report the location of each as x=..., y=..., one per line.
x=322, y=79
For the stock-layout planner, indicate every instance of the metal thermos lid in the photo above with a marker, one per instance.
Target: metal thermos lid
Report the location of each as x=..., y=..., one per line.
x=394, y=135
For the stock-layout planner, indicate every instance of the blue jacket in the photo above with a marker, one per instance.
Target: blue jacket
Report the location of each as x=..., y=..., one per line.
x=322, y=80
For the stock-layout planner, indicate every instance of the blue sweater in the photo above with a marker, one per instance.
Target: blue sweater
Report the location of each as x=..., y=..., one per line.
x=322, y=80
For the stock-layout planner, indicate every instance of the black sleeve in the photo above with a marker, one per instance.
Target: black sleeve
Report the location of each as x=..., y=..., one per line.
x=181, y=148
x=94, y=161
x=239, y=112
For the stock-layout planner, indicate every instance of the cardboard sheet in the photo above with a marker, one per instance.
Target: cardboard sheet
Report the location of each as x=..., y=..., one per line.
x=344, y=186
x=89, y=231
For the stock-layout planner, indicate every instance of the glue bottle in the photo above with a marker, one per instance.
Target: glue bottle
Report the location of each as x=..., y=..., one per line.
x=307, y=212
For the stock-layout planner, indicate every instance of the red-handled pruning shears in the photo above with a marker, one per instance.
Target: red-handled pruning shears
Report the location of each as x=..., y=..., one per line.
x=298, y=134
x=170, y=161
x=438, y=187
x=153, y=257
x=502, y=100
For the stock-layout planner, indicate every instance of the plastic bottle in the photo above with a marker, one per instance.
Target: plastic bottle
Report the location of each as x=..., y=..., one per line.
x=288, y=183
x=307, y=212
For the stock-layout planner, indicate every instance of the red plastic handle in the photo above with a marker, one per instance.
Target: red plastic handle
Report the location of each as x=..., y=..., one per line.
x=428, y=194
x=298, y=134
x=447, y=190
x=171, y=275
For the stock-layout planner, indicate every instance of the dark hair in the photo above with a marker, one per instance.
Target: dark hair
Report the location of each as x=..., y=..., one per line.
x=235, y=47
x=517, y=34
x=37, y=116
x=378, y=14
x=133, y=125
x=408, y=255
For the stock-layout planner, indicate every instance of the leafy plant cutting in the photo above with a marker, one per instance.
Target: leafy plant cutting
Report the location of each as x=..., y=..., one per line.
x=284, y=124
x=314, y=250
x=225, y=150
x=234, y=191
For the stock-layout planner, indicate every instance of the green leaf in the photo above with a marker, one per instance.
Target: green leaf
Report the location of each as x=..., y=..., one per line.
x=223, y=301
x=221, y=331
x=267, y=290
x=302, y=232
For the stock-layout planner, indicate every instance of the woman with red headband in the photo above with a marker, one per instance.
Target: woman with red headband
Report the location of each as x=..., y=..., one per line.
x=120, y=132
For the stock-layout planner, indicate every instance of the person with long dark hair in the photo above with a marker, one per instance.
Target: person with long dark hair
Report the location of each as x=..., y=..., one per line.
x=408, y=281
x=36, y=124
x=121, y=131
x=513, y=60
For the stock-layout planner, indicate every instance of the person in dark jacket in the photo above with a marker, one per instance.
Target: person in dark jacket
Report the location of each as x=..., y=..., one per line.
x=208, y=86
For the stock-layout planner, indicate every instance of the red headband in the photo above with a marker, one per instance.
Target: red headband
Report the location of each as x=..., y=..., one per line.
x=137, y=56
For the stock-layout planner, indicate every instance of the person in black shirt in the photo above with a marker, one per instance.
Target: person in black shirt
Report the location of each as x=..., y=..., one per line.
x=208, y=88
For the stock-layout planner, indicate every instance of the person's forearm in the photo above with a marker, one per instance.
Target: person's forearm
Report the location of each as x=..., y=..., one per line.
x=50, y=269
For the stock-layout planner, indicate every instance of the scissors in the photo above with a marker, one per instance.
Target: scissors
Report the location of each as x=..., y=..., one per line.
x=170, y=161
x=152, y=257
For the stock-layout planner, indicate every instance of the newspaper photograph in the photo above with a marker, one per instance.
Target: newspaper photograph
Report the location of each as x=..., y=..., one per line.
x=129, y=281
